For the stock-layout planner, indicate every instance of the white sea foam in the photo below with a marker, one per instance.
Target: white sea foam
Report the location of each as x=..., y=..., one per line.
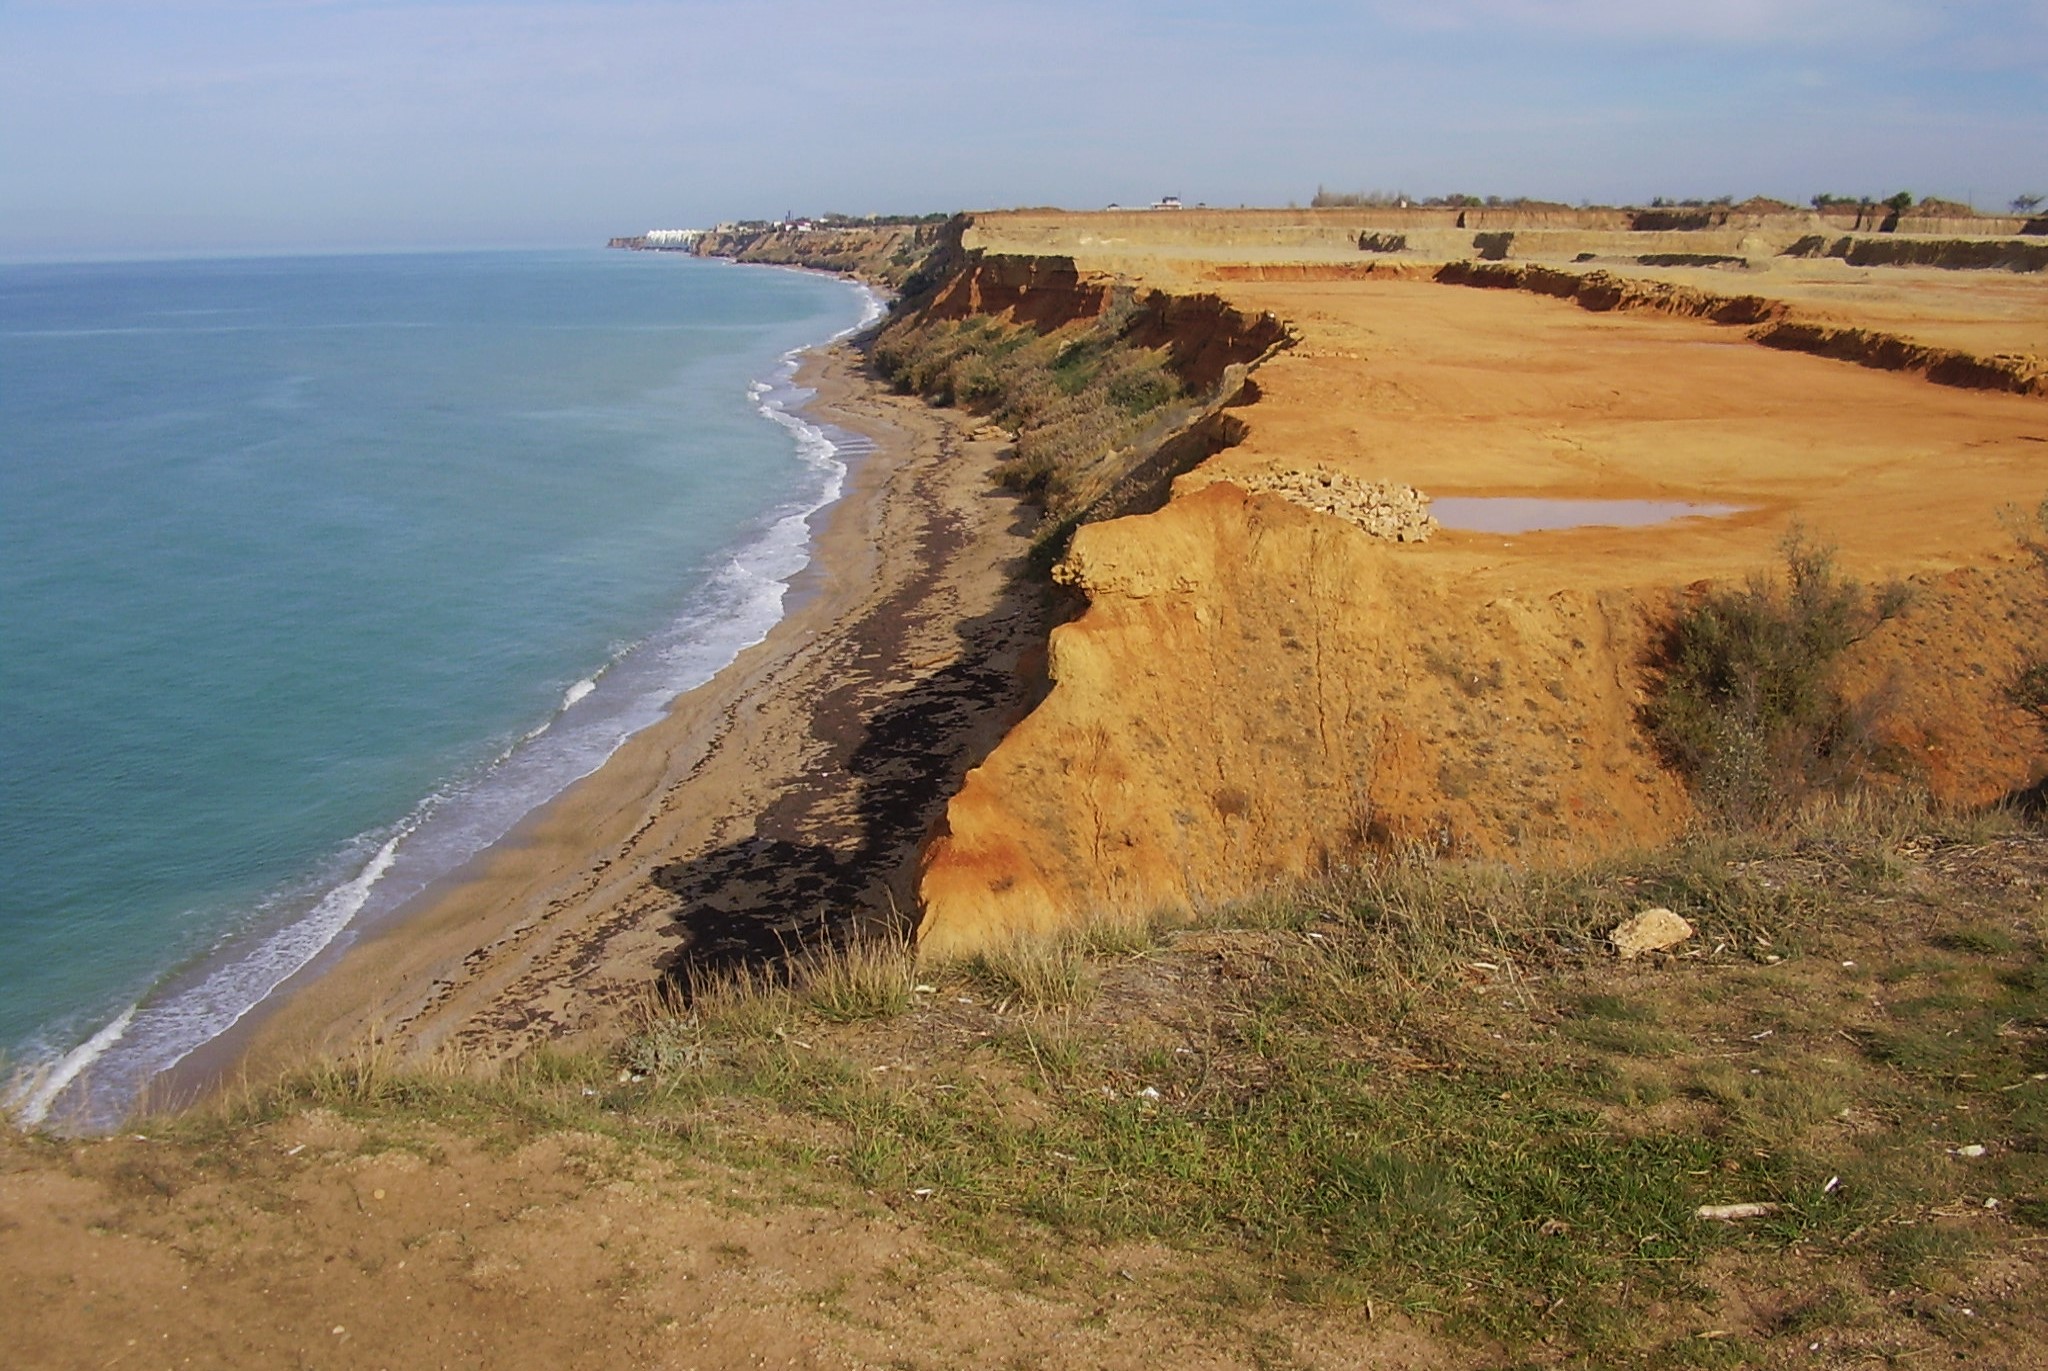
x=94, y=1085
x=30, y=1102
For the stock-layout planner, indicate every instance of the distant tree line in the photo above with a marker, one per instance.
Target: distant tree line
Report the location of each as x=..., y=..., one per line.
x=1393, y=199
x=1899, y=202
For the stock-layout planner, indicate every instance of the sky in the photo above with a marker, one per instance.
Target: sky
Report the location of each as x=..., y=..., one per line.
x=146, y=127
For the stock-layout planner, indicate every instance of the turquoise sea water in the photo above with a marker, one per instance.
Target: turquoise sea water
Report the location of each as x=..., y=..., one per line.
x=317, y=574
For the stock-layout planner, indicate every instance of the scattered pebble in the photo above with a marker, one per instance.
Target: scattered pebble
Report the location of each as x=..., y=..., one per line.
x=1728, y=1213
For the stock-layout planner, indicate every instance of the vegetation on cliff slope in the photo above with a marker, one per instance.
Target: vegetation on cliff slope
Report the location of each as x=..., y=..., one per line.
x=1745, y=702
x=884, y=251
x=1076, y=398
x=2028, y=688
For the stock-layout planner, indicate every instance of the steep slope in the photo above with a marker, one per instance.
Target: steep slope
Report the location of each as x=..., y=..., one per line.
x=1257, y=691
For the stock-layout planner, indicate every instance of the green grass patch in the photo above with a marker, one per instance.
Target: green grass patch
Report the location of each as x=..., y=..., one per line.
x=1422, y=1086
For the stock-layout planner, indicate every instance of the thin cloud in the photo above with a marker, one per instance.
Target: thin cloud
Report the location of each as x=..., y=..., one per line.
x=1735, y=23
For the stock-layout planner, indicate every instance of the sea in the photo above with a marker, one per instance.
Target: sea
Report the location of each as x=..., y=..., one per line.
x=317, y=574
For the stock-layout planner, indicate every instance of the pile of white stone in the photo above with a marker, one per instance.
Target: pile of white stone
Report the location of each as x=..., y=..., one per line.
x=1385, y=509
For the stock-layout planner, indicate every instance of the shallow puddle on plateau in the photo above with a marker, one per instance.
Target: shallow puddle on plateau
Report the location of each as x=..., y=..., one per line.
x=1516, y=514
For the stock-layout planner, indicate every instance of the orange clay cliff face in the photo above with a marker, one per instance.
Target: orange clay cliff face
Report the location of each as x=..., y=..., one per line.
x=1258, y=687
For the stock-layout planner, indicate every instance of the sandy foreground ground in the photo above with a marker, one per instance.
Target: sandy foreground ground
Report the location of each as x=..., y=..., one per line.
x=797, y=784
x=317, y=1243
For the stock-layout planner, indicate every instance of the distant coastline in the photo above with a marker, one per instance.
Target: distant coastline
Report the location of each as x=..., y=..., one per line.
x=184, y=1030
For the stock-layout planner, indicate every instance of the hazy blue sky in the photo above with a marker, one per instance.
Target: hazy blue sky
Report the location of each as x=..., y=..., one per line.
x=172, y=125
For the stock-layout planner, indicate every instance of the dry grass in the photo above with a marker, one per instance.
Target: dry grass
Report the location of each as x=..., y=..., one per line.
x=1424, y=1085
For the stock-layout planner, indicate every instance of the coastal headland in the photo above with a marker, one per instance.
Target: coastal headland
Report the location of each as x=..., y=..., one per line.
x=1220, y=686
x=1232, y=665
x=1481, y=692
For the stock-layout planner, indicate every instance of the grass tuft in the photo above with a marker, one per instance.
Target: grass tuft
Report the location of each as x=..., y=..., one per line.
x=1037, y=974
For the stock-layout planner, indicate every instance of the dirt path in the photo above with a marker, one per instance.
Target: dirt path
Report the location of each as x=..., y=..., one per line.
x=316, y=1243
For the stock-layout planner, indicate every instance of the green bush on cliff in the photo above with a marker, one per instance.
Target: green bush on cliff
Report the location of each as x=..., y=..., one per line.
x=2028, y=688
x=1746, y=705
x=1078, y=398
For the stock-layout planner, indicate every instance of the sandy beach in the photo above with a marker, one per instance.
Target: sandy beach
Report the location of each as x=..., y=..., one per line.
x=787, y=795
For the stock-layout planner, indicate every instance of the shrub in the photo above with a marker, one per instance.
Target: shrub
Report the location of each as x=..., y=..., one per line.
x=1745, y=703
x=2028, y=688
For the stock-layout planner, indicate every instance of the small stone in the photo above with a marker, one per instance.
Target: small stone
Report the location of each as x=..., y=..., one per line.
x=1728, y=1213
x=1653, y=930
x=1970, y=1150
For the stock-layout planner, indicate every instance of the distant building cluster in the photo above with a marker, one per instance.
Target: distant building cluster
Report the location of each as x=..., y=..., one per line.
x=671, y=238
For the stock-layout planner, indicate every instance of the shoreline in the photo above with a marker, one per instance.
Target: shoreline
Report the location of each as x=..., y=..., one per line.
x=766, y=802
x=294, y=929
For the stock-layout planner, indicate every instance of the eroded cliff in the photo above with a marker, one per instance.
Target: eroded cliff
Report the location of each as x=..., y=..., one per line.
x=1256, y=689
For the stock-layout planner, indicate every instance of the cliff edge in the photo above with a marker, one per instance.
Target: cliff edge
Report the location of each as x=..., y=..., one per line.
x=1253, y=689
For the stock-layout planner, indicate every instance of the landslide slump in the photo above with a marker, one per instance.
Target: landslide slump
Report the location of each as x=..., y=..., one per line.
x=1256, y=692
x=1108, y=396
x=1770, y=323
x=1253, y=690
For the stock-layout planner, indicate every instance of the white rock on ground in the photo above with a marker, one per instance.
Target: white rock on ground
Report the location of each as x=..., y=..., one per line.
x=1653, y=930
x=1385, y=509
